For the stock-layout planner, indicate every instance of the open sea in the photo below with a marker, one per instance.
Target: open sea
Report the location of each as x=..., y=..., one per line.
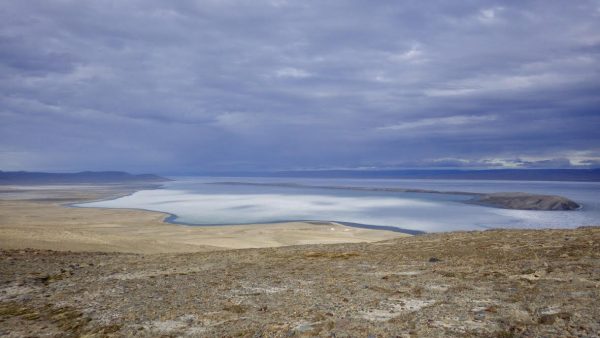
x=193, y=200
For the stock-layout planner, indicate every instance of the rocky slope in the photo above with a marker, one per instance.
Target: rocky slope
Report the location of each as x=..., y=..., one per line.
x=492, y=283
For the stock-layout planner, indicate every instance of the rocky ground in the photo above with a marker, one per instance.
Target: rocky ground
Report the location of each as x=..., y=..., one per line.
x=500, y=283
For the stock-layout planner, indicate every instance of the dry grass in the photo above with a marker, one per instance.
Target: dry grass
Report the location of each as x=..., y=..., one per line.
x=492, y=283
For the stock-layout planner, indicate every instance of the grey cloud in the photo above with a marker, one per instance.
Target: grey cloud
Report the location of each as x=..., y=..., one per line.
x=194, y=85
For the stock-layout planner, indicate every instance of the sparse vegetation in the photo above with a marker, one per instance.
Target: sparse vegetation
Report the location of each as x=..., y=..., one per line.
x=501, y=283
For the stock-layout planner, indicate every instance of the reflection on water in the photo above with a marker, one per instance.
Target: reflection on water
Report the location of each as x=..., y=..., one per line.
x=195, y=202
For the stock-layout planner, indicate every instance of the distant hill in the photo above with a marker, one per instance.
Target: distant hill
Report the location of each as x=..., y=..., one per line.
x=583, y=175
x=24, y=177
x=489, y=174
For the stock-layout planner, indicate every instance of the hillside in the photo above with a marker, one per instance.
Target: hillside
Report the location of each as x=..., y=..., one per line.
x=575, y=175
x=501, y=283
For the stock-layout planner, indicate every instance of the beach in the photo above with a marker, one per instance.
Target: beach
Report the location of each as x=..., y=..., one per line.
x=40, y=217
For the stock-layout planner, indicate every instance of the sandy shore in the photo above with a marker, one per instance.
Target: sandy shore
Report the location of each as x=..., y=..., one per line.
x=37, y=217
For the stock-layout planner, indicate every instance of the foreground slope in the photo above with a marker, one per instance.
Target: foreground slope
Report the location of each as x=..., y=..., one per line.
x=494, y=283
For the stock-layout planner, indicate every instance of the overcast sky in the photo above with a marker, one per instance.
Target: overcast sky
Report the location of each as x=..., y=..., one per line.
x=186, y=86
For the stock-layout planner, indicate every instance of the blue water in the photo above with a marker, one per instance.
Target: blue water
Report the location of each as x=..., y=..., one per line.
x=192, y=201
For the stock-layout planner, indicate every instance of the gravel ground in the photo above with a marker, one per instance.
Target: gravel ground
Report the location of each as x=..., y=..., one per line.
x=499, y=283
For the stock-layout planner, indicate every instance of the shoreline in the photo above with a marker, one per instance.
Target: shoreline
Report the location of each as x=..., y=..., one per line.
x=478, y=199
x=46, y=219
x=171, y=218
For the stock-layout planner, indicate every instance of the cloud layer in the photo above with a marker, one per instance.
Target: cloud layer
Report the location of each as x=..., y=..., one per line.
x=235, y=85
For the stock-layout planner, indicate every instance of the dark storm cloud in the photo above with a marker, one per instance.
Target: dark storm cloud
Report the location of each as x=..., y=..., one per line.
x=192, y=85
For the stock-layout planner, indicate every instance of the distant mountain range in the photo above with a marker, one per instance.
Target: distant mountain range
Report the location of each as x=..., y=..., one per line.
x=24, y=177
x=584, y=175
x=581, y=175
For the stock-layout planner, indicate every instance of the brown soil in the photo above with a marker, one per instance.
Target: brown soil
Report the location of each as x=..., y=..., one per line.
x=492, y=283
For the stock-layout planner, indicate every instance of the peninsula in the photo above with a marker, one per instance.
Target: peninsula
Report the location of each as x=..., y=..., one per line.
x=506, y=200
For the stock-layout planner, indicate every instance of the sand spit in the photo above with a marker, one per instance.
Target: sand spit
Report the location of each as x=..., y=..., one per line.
x=500, y=283
x=524, y=201
x=39, y=217
x=506, y=200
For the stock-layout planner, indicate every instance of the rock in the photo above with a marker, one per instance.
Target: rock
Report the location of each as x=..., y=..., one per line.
x=547, y=319
x=493, y=284
x=303, y=327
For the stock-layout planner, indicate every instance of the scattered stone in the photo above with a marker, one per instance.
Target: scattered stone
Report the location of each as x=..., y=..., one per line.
x=316, y=290
x=547, y=319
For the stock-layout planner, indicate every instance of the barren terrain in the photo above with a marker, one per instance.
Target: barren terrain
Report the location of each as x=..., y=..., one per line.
x=494, y=283
x=122, y=273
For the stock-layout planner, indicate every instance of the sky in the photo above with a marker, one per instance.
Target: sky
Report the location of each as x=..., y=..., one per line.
x=191, y=86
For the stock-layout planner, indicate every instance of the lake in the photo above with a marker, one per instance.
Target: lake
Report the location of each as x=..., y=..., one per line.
x=198, y=201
